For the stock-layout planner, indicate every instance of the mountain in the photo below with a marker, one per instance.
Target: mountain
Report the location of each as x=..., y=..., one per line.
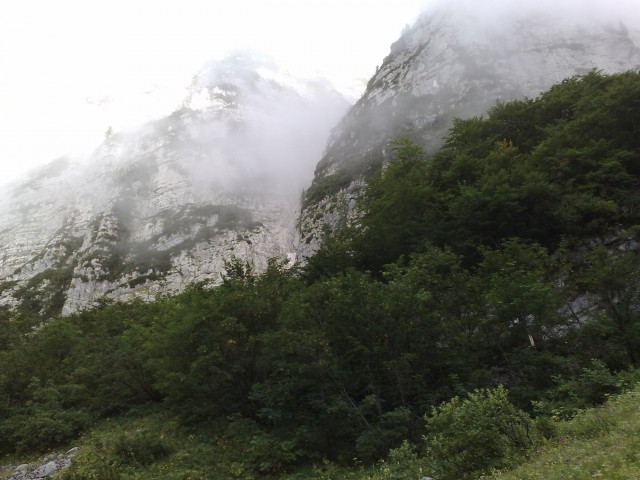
x=167, y=204
x=456, y=61
x=157, y=208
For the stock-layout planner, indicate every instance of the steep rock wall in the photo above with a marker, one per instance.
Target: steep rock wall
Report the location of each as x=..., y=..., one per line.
x=456, y=61
x=167, y=204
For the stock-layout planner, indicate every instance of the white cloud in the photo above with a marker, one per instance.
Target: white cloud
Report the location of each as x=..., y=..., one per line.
x=60, y=58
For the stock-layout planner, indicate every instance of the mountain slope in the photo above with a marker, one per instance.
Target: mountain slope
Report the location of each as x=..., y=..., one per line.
x=167, y=204
x=455, y=62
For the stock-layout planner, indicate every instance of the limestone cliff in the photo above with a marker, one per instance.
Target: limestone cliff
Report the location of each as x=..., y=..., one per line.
x=458, y=60
x=165, y=205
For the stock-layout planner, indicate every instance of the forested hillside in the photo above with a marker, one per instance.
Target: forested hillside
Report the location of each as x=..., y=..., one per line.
x=500, y=275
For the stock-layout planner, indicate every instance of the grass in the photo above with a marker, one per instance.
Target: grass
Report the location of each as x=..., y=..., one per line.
x=154, y=446
x=5, y=471
x=148, y=446
x=602, y=442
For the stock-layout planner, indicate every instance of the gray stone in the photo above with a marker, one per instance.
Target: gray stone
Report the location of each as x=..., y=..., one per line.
x=73, y=451
x=47, y=469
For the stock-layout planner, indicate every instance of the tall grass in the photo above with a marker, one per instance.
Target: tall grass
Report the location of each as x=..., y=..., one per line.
x=602, y=442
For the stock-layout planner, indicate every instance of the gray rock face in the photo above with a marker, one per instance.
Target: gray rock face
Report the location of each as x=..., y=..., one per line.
x=456, y=62
x=163, y=206
x=166, y=205
x=46, y=470
x=46, y=467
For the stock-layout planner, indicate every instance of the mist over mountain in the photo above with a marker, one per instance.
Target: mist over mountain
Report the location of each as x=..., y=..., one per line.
x=156, y=208
x=459, y=60
x=159, y=207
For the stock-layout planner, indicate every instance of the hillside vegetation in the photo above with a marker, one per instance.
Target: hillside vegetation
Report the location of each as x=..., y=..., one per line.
x=485, y=293
x=602, y=442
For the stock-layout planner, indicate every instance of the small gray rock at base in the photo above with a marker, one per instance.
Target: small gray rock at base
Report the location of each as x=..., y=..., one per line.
x=46, y=469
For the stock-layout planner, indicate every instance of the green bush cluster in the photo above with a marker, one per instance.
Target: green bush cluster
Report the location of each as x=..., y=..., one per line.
x=600, y=442
x=464, y=275
x=466, y=437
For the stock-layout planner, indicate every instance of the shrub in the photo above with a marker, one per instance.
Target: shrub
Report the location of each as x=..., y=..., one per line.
x=43, y=422
x=391, y=429
x=467, y=437
x=264, y=453
x=42, y=429
x=402, y=463
x=591, y=387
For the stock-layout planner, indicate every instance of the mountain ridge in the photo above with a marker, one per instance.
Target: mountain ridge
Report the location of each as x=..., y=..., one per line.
x=452, y=64
x=165, y=205
x=168, y=204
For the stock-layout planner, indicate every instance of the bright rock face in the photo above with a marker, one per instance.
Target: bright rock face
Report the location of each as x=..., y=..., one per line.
x=158, y=208
x=455, y=62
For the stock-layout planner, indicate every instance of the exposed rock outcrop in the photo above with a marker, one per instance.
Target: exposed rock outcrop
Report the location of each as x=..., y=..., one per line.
x=165, y=205
x=458, y=60
x=46, y=467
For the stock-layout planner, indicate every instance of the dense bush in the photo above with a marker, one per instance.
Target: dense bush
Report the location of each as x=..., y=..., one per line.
x=469, y=436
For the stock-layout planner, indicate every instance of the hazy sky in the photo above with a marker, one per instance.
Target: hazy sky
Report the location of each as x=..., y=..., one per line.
x=72, y=68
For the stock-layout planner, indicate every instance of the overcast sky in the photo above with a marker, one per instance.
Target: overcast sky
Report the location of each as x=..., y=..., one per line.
x=72, y=68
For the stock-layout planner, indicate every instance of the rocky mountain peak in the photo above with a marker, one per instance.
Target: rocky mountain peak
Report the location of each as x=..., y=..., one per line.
x=167, y=204
x=458, y=61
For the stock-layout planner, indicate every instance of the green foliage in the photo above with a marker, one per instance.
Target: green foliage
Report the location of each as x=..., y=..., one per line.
x=592, y=386
x=141, y=448
x=45, y=422
x=218, y=332
x=403, y=463
x=397, y=207
x=392, y=428
x=325, y=186
x=337, y=254
x=265, y=454
x=601, y=442
x=468, y=437
x=125, y=448
x=561, y=165
x=613, y=279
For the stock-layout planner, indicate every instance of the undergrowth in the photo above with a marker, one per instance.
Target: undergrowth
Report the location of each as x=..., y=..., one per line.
x=601, y=442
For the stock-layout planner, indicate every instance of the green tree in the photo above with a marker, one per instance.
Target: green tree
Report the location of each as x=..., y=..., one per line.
x=396, y=211
x=612, y=281
x=217, y=334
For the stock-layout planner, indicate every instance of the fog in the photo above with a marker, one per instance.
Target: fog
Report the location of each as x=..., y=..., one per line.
x=282, y=137
x=252, y=127
x=72, y=68
x=491, y=19
x=249, y=127
x=463, y=56
x=494, y=12
x=267, y=134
